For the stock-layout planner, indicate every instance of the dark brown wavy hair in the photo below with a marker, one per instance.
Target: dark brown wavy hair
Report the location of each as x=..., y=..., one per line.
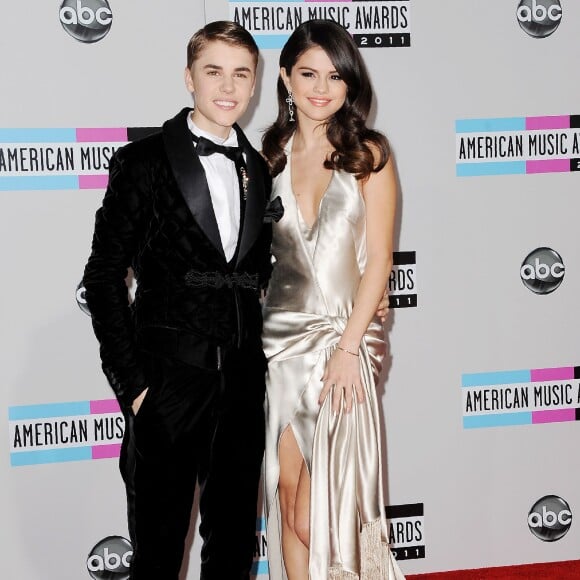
x=346, y=129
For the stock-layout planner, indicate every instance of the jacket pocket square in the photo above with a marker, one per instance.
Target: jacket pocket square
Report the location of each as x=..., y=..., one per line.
x=274, y=210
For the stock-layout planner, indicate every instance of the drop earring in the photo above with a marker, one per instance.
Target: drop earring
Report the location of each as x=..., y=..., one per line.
x=290, y=101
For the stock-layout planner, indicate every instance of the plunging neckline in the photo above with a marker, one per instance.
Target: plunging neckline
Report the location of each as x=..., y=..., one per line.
x=298, y=210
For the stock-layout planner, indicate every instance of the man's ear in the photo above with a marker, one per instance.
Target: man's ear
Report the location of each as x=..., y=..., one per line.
x=188, y=80
x=285, y=79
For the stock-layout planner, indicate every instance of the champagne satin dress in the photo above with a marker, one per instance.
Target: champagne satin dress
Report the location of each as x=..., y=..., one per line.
x=316, y=275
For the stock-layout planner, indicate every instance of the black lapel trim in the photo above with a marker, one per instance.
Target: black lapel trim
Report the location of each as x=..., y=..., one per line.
x=256, y=202
x=190, y=176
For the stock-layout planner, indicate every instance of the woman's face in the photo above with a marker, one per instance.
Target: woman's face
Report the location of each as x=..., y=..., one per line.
x=318, y=90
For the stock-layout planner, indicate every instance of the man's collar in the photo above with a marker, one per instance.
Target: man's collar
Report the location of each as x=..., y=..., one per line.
x=230, y=141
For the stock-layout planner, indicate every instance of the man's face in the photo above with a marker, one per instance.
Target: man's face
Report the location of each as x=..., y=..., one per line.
x=222, y=80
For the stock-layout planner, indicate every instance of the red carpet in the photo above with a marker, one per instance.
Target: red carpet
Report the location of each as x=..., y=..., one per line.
x=552, y=571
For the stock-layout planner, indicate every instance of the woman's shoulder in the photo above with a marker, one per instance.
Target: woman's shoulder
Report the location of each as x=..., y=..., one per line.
x=380, y=151
x=378, y=146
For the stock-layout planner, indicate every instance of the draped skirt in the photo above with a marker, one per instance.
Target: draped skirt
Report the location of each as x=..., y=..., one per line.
x=348, y=530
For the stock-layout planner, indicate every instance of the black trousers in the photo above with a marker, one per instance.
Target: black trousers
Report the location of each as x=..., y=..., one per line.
x=196, y=425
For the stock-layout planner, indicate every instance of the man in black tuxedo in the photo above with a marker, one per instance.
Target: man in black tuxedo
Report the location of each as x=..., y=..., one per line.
x=185, y=208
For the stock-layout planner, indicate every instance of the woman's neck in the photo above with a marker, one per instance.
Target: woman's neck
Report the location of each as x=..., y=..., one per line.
x=310, y=136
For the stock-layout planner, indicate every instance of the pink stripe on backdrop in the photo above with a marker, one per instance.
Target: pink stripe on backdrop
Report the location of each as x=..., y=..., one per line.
x=556, y=374
x=106, y=451
x=555, y=122
x=93, y=181
x=105, y=406
x=548, y=166
x=555, y=416
x=101, y=135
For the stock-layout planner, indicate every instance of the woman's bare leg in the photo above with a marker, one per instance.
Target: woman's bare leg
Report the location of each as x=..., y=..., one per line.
x=291, y=464
x=302, y=507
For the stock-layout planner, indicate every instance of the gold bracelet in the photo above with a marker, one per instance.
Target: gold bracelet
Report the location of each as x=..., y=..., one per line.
x=347, y=351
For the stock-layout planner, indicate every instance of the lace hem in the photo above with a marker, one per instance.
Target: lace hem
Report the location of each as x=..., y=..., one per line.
x=377, y=562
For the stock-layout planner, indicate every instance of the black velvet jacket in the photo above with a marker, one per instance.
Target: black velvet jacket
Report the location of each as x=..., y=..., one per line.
x=157, y=217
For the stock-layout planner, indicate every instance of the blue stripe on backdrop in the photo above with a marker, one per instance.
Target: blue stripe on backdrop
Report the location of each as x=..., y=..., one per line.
x=495, y=378
x=38, y=135
x=50, y=456
x=503, y=420
x=491, y=168
x=48, y=410
x=271, y=40
x=485, y=125
x=45, y=182
x=260, y=567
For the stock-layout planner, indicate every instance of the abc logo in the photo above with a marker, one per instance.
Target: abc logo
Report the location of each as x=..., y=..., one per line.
x=80, y=296
x=550, y=518
x=110, y=559
x=542, y=271
x=86, y=20
x=539, y=18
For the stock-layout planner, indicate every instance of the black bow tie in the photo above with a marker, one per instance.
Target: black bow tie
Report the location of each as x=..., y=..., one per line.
x=208, y=147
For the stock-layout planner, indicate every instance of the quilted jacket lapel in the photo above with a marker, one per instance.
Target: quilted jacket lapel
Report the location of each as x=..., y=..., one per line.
x=256, y=200
x=190, y=176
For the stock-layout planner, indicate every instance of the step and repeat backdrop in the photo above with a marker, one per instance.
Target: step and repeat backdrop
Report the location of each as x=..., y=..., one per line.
x=481, y=390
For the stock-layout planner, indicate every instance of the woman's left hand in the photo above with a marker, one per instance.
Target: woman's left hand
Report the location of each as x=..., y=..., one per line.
x=343, y=373
x=383, y=307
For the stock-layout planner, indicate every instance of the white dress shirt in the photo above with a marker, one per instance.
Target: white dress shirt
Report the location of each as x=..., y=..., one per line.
x=224, y=188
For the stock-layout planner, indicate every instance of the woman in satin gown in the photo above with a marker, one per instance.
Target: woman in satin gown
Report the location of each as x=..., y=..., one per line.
x=324, y=344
